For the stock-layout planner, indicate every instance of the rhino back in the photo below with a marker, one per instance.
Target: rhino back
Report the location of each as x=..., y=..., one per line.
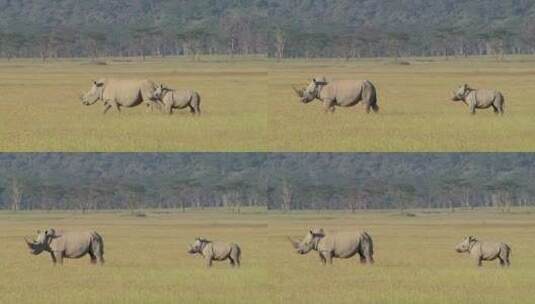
x=179, y=99
x=128, y=93
x=484, y=98
x=490, y=250
x=220, y=250
x=341, y=244
x=73, y=244
x=347, y=92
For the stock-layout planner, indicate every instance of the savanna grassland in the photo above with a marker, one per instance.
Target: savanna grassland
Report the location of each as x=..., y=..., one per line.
x=146, y=260
x=40, y=108
x=248, y=105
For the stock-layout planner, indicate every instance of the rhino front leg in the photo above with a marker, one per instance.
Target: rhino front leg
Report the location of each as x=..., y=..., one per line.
x=58, y=255
x=54, y=261
x=327, y=257
x=107, y=107
x=323, y=259
x=328, y=106
x=208, y=262
x=472, y=108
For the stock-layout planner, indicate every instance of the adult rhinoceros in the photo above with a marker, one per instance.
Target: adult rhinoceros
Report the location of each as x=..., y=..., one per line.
x=340, y=93
x=121, y=93
x=480, y=99
x=216, y=251
x=485, y=251
x=72, y=245
x=342, y=245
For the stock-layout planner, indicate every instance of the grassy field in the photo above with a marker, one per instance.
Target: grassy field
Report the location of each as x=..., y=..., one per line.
x=147, y=263
x=248, y=106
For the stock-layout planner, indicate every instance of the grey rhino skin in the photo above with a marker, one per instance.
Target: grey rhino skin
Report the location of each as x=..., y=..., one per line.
x=119, y=93
x=485, y=251
x=340, y=93
x=480, y=99
x=172, y=99
x=216, y=251
x=71, y=245
x=342, y=245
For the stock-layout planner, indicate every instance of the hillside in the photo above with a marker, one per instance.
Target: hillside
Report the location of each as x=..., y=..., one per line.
x=347, y=28
x=275, y=181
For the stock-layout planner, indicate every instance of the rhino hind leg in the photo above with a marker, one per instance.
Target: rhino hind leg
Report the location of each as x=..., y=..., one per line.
x=196, y=104
x=96, y=250
x=235, y=256
x=93, y=257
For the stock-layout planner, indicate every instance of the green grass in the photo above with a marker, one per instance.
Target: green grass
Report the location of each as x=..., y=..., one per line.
x=146, y=260
x=248, y=105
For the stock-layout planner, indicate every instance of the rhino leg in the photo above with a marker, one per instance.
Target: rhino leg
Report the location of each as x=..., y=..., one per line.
x=234, y=257
x=191, y=109
x=92, y=257
x=209, y=262
x=107, y=107
x=362, y=259
x=328, y=106
x=58, y=255
x=479, y=261
x=54, y=261
x=326, y=258
x=473, y=109
x=196, y=103
x=322, y=258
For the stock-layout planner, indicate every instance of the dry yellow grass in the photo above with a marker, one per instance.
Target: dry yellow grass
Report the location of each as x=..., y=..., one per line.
x=40, y=110
x=147, y=263
x=248, y=106
x=416, y=114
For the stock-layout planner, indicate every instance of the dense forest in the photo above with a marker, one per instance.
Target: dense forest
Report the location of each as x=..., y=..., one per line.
x=272, y=180
x=274, y=28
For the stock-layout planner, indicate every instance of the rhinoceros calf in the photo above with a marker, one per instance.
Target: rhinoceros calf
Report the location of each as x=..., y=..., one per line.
x=119, y=93
x=342, y=245
x=485, y=251
x=172, y=99
x=216, y=251
x=72, y=245
x=480, y=99
x=341, y=93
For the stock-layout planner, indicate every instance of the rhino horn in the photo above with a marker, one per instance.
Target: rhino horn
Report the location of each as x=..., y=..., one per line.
x=299, y=92
x=294, y=243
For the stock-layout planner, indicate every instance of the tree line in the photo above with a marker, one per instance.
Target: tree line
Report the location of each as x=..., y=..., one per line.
x=273, y=181
x=272, y=28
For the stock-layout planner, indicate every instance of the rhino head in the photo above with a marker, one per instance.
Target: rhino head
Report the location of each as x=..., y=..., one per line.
x=309, y=242
x=160, y=91
x=310, y=92
x=197, y=246
x=41, y=243
x=466, y=244
x=460, y=93
x=94, y=94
